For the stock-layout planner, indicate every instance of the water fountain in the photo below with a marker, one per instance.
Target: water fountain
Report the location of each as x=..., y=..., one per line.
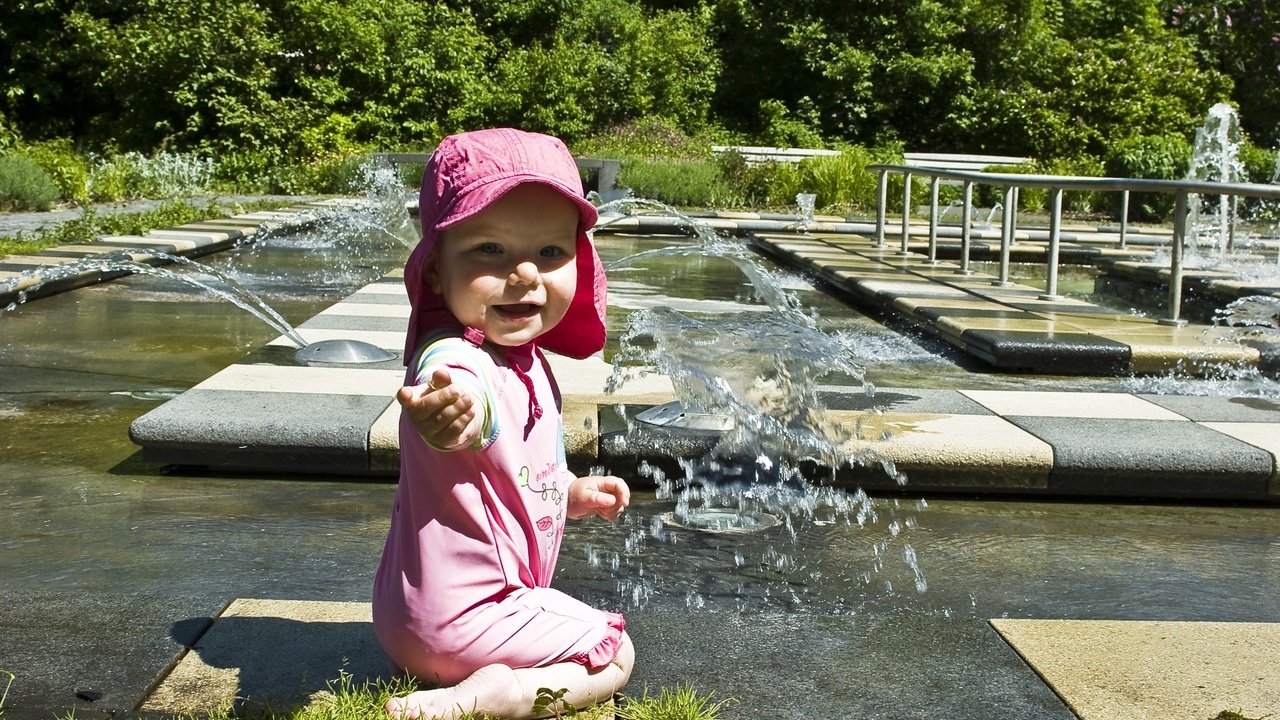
x=382, y=210
x=752, y=436
x=1215, y=158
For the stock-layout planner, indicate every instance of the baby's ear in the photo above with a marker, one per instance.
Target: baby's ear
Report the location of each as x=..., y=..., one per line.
x=431, y=274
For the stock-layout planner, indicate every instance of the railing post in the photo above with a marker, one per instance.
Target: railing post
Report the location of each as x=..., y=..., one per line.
x=1055, y=232
x=964, y=228
x=882, y=199
x=1231, y=222
x=906, y=212
x=1124, y=219
x=933, y=219
x=1006, y=235
x=1175, y=260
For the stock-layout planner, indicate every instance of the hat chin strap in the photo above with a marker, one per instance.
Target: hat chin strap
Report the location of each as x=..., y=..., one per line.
x=475, y=336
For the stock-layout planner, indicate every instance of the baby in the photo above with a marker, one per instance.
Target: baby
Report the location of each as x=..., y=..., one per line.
x=461, y=599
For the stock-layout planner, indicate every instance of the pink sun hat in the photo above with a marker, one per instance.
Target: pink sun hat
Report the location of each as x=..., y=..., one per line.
x=466, y=174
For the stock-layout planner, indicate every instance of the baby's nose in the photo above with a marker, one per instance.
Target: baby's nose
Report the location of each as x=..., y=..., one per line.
x=524, y=273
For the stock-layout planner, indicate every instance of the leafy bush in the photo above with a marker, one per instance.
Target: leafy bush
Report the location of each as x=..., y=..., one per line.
x=842, y=180
x=68, y=168
x=647, y=137
x=1081, y=166
x=24, y=185
x=332, y=175
x=133, y=175
x=1260, y=164
x=1160, y=157
x=678, y=182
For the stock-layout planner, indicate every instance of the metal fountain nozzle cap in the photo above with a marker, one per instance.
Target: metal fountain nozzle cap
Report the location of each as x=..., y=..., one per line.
x=342, y=352
x=674, y=416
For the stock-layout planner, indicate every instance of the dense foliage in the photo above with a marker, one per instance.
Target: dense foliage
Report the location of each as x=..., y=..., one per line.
x=267, y=86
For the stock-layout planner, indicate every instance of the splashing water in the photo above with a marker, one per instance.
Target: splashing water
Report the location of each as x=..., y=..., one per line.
x=382, y=209
x=761, y=370
x=226, y=287
x=1215, y=158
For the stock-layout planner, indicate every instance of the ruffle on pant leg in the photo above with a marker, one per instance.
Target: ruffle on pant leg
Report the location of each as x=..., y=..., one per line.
x=607, y=649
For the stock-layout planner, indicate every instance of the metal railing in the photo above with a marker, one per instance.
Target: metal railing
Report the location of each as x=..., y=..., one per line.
x=1056, y=185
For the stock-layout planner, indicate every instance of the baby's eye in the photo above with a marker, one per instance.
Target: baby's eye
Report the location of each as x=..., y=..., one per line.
x=489, y=248
x=552, y=251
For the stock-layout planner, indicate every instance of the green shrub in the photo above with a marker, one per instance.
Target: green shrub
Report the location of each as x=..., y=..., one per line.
x=679, y=182
x=1260, y=164
x=1087, y=201
x=68, y=168
x=767, y=184
x=1160, y=157
x=843, y=181
x=133, y=175
x=114, y=178
x=244, y=171
x=24, y=185
x=648, y=137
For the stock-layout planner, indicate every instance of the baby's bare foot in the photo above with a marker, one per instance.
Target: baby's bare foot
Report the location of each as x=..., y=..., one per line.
x=491, y=689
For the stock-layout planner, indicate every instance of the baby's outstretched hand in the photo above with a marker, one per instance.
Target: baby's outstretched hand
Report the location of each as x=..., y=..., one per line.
x=441, y=413
x=602, y=495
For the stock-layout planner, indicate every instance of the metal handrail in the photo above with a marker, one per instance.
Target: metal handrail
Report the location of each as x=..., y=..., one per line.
x=1056, y=184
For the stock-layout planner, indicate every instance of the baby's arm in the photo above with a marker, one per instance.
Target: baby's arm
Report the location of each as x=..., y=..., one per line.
x=442, y=412
x=603, y=495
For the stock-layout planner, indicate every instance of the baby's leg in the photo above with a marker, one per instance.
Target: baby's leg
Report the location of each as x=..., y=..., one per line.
x=511, y=693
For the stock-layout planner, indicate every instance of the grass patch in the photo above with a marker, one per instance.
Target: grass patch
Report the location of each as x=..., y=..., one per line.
x=681, y=702
x=345, y=699
x=89, y=226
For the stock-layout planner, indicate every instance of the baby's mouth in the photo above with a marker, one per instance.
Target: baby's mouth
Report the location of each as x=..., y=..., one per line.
x=517, y=310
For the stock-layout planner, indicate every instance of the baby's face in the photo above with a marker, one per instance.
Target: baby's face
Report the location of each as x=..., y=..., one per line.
x=510, y=270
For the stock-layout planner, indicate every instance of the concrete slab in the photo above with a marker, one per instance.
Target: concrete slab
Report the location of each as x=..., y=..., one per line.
x=95, y=652
x=978, y=452
x=1144, y=670
x=282, y=652
x=1149, y=458
x=1070, y=404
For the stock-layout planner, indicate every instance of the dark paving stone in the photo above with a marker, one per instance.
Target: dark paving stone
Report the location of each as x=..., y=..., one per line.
x=1050, y=352
x=1220, y=409
x=246, y=430
x=1149, y=458
x=95, y=652
x=895, y=665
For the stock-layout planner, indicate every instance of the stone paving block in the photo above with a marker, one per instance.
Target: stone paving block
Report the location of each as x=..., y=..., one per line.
x=68, y=648
x=1048, y=351
x=372, y=309
x=253, y=430
x=1070, y=404
x=955, y=452
x=357, y=320
x=1109, y=669
x=1210, y=408
x=1149, y=458
x=279, y=652
x=340, y=380
x=853, y=666
x=172, y=246
x=1265, y=436
x=385, y=339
